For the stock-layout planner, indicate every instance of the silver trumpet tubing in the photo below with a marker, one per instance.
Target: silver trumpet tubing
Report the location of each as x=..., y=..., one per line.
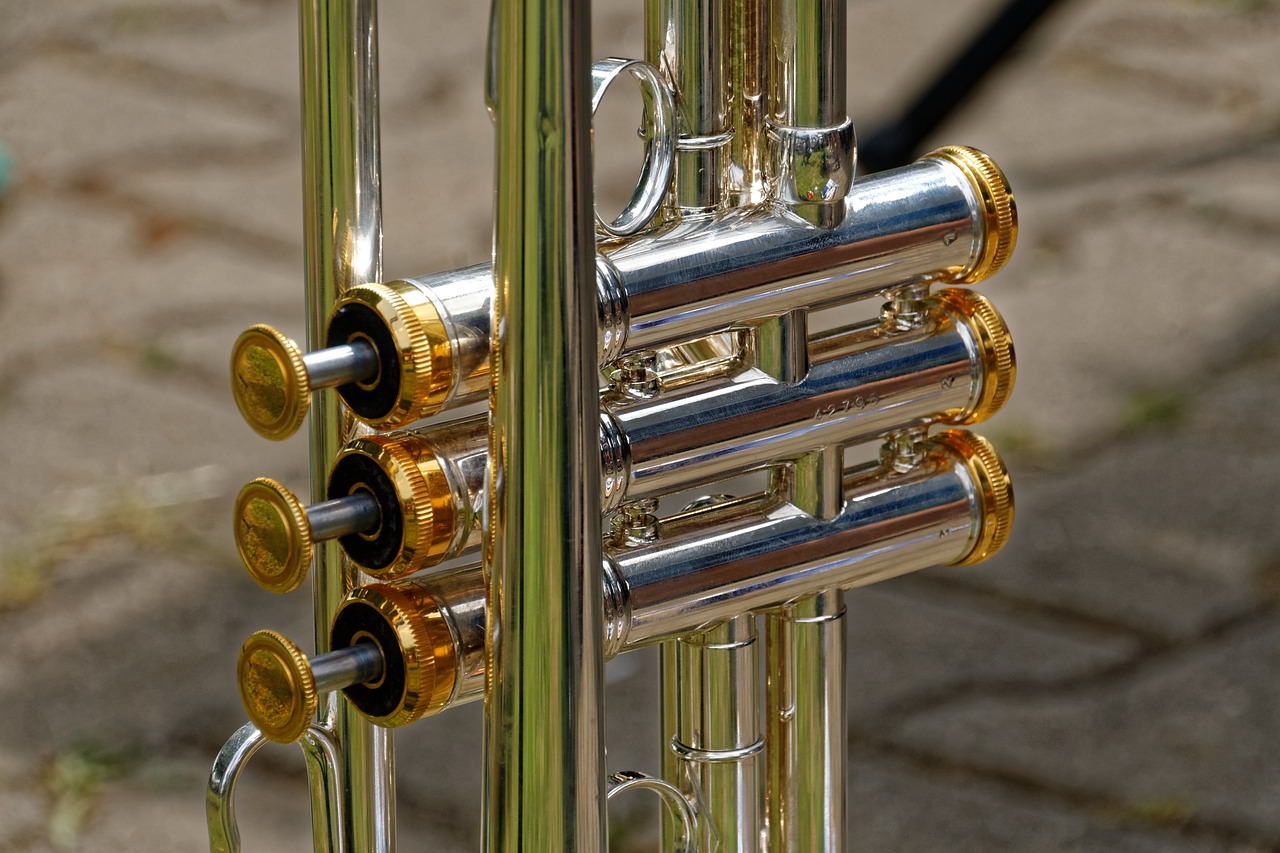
x=405, y=501
x=404, y=350
x=625, y=363
x=698, y=569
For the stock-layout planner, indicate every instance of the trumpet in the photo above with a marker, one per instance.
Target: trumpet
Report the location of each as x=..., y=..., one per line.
x=636, y=369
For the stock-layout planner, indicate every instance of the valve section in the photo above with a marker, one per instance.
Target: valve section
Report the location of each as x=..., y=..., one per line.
x=696, y=389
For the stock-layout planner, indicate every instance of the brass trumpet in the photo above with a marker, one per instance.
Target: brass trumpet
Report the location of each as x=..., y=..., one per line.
x=625, y=361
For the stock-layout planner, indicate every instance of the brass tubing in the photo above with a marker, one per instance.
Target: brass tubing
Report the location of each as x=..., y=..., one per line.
x=684, y=39
x=948, y=218
x=813, y=153
x=747, y=42
x=711, y=565
x=544, y=745
x=342, y=221
x=717, y=743
x=806, y=750
x=668, y=727
x=864, y=382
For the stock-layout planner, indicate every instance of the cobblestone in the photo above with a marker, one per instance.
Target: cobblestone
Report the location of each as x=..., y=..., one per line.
x=1192, y=733
x=1107, y=683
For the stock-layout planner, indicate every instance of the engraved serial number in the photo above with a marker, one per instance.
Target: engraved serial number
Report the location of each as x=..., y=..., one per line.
x=845, y=406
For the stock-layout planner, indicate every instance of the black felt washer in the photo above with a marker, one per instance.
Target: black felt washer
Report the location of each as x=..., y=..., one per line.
x=355, y=321
x=358, y=617
x=356, y=472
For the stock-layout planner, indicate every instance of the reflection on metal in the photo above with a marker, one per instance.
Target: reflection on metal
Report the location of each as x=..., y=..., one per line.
x=624, y=363
x=544, y=771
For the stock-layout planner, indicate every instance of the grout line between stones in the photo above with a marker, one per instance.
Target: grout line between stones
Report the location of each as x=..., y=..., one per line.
x=938, y=766
x=1102, y=677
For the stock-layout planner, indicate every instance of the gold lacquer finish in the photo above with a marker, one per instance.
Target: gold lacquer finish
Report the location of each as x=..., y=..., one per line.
x=276, y=686
x=992, y=479
x=273, y=535
x=424, y=646
x=999, y=208
x=423, y=348
x=1000, y=367
x=270, y=383
x=425, y=497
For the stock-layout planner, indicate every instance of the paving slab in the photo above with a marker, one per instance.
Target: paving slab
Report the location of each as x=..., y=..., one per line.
x=1194, y=731
x=1105, y=79
x=100, y=418
x=907, y=643
x=1170, y=531
x=253, y=49
x=1153, y=319
x=52, y=99
x=59, y=295
x=158, y=213
x=898, y=807
x=154, y=646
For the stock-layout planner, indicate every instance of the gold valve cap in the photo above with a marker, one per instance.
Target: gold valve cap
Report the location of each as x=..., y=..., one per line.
x=276, y=686
x=999, y=363
x=273, y=535
x=994, y=486
x=269, y=381
x=999, y=209
x=404, y=326
x=409, y=628
x=401, y=471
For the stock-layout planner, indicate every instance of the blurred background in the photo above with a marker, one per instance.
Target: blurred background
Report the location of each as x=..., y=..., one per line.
x=1110, y=682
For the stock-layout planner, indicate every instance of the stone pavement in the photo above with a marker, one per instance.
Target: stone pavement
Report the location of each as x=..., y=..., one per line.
x=1111, y=682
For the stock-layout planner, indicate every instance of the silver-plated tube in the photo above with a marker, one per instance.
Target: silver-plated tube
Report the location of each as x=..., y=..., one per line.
x=813, y=482
x=915, y=223
x=747, y=41
x=714, y=564
x=701, y=572
x=863, y=383
x=352, y=514
x=545, y=775
x=323, y=781
x=668, y=728
x=322, y=756
x=220, y=795
x=685, y=40
x=807, y=80
x=717, y=742
x=781, y=346
x=805, y=735
x=920, y=222
x=333, y=366
x=812, y=138
x=345, y=667
x=718, y=429
x=463, y=299
x=342, y=220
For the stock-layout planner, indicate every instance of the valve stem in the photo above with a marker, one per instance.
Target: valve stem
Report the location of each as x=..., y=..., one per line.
x=280, y=687
x=904, y=450
x=272, y=379
x=636, y=523
x=907, y=308
x=276, y=534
